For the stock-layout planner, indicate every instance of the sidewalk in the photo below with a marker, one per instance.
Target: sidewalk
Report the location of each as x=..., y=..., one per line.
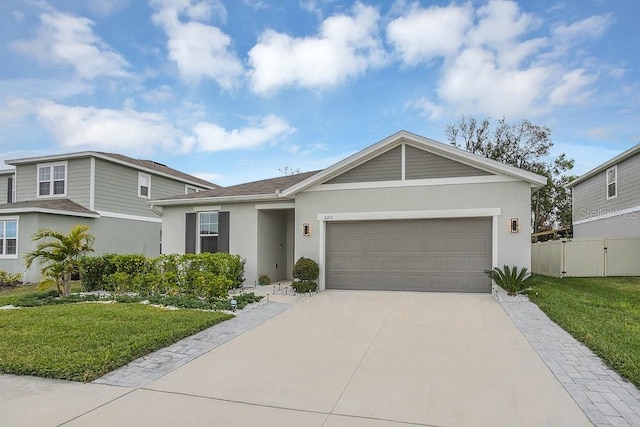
x=606, y=398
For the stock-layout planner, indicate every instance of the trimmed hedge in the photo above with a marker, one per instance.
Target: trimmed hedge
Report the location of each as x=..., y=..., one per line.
x=208, y=275
x=305, y=274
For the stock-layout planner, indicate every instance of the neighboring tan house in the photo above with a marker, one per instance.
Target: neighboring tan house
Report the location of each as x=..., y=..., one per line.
x=109, y=192
x=407, y=213
x=606, y=200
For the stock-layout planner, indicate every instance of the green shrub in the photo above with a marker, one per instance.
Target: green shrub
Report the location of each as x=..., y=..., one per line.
x=306, y=269
x=264, y=280
x=208, y=275
x=304, y=286
x=509, y=279
x=305, y=273
x=10, y=279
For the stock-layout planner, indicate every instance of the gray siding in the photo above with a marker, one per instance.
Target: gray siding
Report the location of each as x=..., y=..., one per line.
x=117, y=189
x=26, y=182
x=590, y=197
x=420, y=164
x=78, y=179
x=78, y=173
x=385, y=167
x=619, y=226
x=4, y=179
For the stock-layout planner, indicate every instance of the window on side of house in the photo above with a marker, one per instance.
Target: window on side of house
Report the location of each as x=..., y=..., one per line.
x=190, y=189
x=144, y=185
x=52, y=179
x=8, y=238
x=208, y=231
x=612, y=182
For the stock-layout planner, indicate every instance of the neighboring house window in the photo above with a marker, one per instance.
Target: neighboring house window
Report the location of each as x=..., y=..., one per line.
x=612, y=182
x=208, y=231
x=11, y=190
x=9, y=238
x=189, y=189
x=52, y=179
x=144, y=185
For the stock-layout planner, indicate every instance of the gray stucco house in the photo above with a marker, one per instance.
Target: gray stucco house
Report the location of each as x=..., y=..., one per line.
x=407, y=213
x=606, y=200
x=109, y=192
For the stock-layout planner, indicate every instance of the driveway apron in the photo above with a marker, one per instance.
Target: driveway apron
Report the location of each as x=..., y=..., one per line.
x=361, y=359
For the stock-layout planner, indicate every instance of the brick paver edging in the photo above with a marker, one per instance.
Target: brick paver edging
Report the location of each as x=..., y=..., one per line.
x=149, y=368
x=606, y=398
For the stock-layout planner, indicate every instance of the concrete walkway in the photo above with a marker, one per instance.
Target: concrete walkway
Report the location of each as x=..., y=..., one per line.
x=606, y=398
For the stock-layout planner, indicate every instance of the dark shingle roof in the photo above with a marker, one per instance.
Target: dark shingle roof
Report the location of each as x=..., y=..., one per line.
x=255, y=188
x=60, y=205
x=159, y=167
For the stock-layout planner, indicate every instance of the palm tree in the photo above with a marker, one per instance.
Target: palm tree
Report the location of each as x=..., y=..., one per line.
x=59, y=254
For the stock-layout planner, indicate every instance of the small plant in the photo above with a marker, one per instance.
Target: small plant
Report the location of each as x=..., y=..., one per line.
x=305, y=274
x=509, y=279
x=264, y=280
x=304, y=286
x=306, y=269
x=9, y=279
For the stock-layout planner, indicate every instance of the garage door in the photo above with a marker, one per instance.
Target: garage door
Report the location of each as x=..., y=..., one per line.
x=443, y=255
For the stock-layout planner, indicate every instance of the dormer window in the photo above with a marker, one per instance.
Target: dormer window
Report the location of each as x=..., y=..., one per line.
x=144, y=185
x=612, y=182
x=52, y=179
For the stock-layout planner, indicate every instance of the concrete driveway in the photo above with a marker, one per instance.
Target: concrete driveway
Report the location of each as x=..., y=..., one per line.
x=357, y=359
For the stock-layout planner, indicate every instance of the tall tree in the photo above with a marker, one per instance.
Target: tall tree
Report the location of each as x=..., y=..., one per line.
x=59, y=254
x=526, y=146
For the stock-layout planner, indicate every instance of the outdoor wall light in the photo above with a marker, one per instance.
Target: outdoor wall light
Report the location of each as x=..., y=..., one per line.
x=515, y=225
x=306, y=229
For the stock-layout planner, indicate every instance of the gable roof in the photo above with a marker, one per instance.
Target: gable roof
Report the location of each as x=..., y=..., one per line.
x=430, y=145
x=143, y=165
x=606, y=165
x=54, y=206
x=257, y=190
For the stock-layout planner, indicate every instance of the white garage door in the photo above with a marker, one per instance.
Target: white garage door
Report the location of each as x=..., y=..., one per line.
x=442, y=255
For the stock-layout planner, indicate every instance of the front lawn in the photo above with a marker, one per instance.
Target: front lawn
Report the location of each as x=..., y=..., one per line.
x=82, y=342
x=603, y=313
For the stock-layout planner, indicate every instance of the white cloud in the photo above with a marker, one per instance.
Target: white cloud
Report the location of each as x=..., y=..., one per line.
x=491, y=65
x=199, y=50
x=346, y=46
x=68, y=40
x=127, y=131
x=423, y=34
x=105, y=7
x=428, y=108
x=593, y=26
x=475, y=84
x=572, y=88
x=211, y=137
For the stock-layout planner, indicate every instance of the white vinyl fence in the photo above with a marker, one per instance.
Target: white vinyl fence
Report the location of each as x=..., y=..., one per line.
x=587, y=257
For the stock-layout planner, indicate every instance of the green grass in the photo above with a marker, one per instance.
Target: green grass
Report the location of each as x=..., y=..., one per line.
x=603, y=313
x=9, y=296
x=82, y=342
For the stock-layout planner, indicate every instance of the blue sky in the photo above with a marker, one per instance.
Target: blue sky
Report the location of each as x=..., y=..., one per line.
x=234, y=91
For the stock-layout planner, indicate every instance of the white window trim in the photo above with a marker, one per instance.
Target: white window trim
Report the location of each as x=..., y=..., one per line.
x=198, y=235
x=148, y=176
x=188, y=187
x=51, y=165
x=17, y=220
x=615, y=168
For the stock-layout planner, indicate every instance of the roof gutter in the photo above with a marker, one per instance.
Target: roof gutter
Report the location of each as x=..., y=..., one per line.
x=49, y=211
x=208, y=200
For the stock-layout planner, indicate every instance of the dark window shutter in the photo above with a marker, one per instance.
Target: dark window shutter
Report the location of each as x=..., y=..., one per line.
x=10, y=190
x=223, y=232
x=190, y=234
